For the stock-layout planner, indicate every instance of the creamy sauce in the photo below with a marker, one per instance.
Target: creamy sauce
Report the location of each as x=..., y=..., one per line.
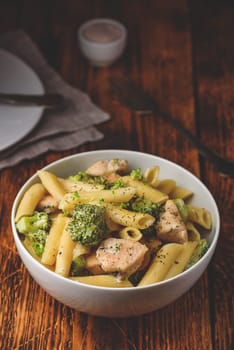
x=102, y=32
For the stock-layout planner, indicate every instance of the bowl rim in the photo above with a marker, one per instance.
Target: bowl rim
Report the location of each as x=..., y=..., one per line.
x=109, y=44
x=33, y=179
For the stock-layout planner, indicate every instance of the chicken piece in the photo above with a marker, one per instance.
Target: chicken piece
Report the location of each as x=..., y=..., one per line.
x=111, y=178
x=120, y=255
x=48, y=204
x=170, y=227
x=106, y=167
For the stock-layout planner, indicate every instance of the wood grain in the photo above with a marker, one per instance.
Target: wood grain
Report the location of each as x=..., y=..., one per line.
x=213, y=47
x=183, y=53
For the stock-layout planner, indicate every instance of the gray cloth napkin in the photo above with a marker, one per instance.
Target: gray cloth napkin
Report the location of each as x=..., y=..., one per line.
x=57, y=130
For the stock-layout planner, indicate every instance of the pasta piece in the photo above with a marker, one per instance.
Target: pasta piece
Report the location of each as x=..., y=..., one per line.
x=52, y=184
x=65, y=254
x=53, y=239
x=182, y=259
x=30, y=200
x=200, y=216
x=180, y=192
x=119, y=195
x=193, y=233
x=103, y=281
x=129, y=218
x=131, y=233
x=151, y=175
x=166, y=186
x=70, y=200
x=112, y=226
x=145, y=190
x=161, y=263
x=73, y=186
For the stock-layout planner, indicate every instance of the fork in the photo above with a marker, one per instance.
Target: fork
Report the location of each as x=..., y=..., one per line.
x=46, y=100
x=137, y=99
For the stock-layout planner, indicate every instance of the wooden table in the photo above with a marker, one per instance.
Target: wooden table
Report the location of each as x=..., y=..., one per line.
x=183, y=53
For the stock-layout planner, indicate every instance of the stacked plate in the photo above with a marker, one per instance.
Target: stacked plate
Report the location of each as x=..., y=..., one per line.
x=17, y=121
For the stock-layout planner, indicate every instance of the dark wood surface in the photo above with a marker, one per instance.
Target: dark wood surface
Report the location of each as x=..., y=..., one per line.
x=183, y=53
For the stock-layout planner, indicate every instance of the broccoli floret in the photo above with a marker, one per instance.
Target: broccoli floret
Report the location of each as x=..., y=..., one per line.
x=146, y=206
x=117, y=184
x=78, y=266
x=199, y=251
x=136, y=174
x=85, y=177
x=87, y=225
x=36, y=228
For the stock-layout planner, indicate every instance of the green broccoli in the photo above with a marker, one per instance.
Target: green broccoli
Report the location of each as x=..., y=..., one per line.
x=146, y=206
x=78, y=266
x=87, y=225
x=198, y=253
x=136, y=174
x=35, y=227
x=117, y=184
x=85, y=177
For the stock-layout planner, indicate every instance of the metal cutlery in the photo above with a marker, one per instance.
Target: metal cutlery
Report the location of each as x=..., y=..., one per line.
x=137, y=99
x=46, y=100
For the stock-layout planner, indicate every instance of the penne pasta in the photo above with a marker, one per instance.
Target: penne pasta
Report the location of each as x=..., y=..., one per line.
x=131, y=233
x=166, y=186
x=182, y=259
x=103, y=281
x=145, y=190
x=73, y=186
x=161, y=264
x=180, y=192
x=52, y=184
x=193, y=233
x=151, y=175
x=65, y=253
x=119, y=195
x=200, y=216
x=30, y=200
x=53, y=239
x=129, y=218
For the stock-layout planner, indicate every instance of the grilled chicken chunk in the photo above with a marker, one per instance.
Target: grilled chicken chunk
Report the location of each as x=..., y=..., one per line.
x=120, y=255
x=170, y=227
x=106, y=167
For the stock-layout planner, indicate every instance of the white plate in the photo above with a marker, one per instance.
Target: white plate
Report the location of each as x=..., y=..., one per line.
x=17, y=121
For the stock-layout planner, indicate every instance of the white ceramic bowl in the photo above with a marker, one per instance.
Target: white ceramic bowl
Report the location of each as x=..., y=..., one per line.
x=121, y=302
x=102, y=40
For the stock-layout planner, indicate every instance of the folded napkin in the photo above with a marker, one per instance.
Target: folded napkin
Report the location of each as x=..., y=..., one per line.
x=57, y=130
